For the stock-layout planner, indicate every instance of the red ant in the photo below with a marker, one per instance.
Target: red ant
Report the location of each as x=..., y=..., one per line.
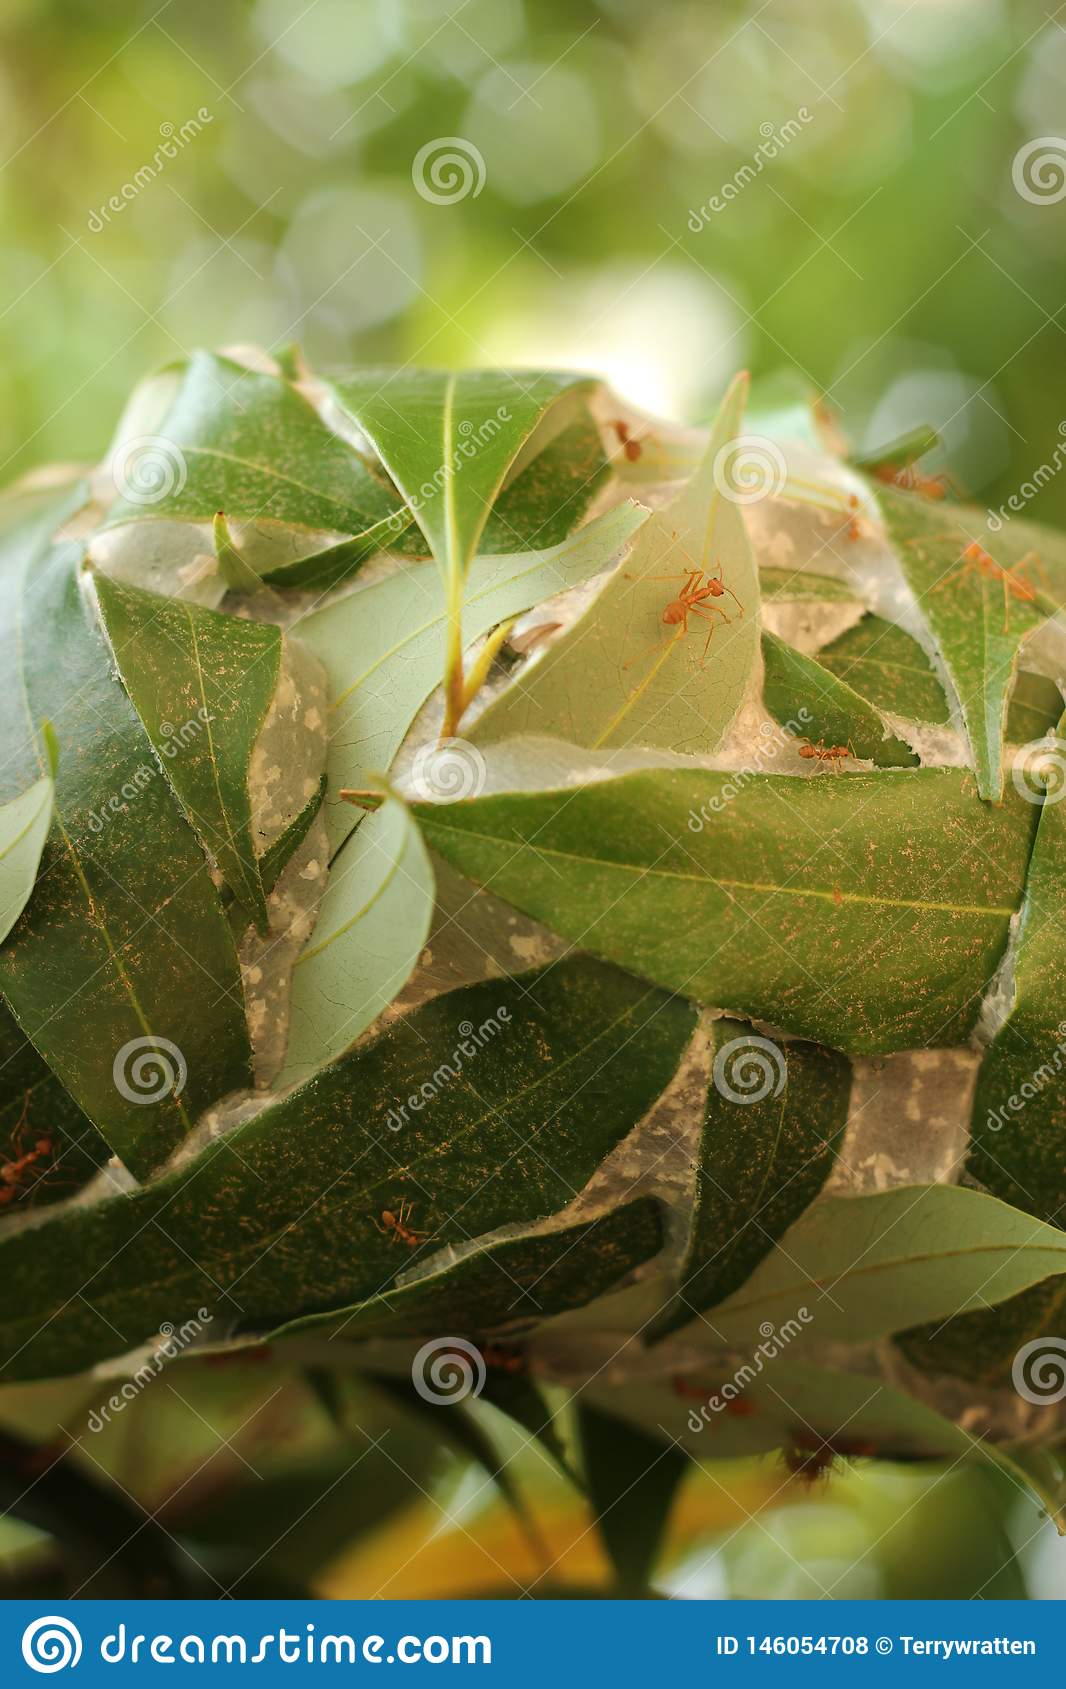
x=629, y=442
x=737, y=1407
x=504, y=1357
x=810, y=1457
x=691, y=600
x=913, y=481
x=821, y=752
x=13, y=1171
x=976, y=560
x=396, y=1226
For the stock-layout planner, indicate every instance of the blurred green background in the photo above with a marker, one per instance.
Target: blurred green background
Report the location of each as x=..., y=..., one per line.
x=884, y=252
x=607, y=206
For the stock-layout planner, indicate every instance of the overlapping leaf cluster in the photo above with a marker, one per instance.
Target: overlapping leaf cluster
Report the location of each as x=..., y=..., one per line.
x=381, y=532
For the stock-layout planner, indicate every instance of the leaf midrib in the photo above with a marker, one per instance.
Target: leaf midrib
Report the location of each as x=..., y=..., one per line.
x=645, y=872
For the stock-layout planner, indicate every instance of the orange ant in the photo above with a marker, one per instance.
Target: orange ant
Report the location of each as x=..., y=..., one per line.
x=976, y=560
x=854, y=526
x=821, y=752
x=396, y=1226
x=629, y=442
x=810, y=1457
x=737, y=1407
x=912, y=480
x=503, y=1356
x=13, y=1171
x=691, y=600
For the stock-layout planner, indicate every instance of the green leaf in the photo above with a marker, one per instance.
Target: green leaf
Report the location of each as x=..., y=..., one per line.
x=202, y=684
x=859, y=1267
x=889, y=668
x=546, y=501
x=466, y=1434
x=372, y=922
x=383, y=647
x=978, y=624
x=1035, y=707
x=34, y=1107
x=772, y=1123
x=618, y=676
x=277, y=855
x=24, y=824
x=836, y=715
x=448, y=439
x=525, y=1278
x=521, y=1399
x=282, y=1215
x=1019, y=1109
x=632, y=1481
x=250, y=445
x=899, y=453
x=124, y=956
x=788, y=585
x=865, y=911
x=785, y=1399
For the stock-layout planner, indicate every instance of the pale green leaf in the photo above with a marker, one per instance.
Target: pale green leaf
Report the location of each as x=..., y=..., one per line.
x=383, y=647
x=24, y=824
x=371, y=924
x=619, y=676
x=855, y=1268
